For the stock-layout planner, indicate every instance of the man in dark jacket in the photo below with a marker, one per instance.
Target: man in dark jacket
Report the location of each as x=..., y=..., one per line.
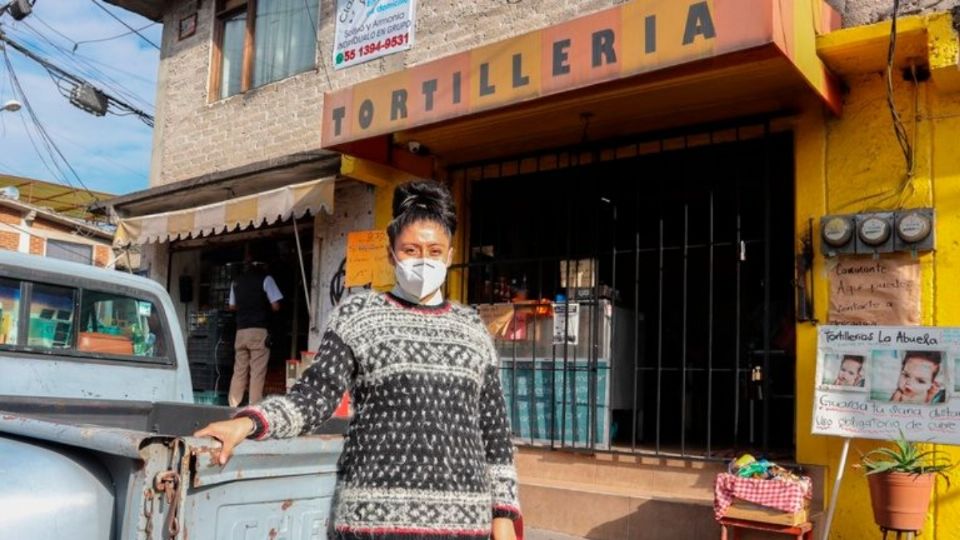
x=255, y=297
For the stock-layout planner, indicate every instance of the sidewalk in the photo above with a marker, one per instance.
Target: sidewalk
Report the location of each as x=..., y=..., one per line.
x=540, y=534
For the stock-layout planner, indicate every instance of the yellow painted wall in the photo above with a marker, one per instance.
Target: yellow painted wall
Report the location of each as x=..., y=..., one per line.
x=853, y=164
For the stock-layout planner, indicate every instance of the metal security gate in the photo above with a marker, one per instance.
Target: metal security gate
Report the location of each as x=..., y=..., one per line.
x=641, y=292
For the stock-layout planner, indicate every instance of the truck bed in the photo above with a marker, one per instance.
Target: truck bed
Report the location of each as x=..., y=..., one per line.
x=274, y=488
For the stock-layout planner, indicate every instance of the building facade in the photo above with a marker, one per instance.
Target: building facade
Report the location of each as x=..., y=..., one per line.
x=38, y=231
x=665, y=164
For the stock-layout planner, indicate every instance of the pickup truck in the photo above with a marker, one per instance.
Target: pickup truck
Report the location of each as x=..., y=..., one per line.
x=96, y=414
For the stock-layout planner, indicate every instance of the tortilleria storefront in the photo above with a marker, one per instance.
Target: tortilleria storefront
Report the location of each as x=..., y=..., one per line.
x=640, y=191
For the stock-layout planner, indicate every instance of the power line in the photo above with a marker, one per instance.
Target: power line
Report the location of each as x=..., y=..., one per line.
x=49, y=143
x=121, y=21
x=111, y=38
x=76, y=43
x=79, y=86
x=83, y=64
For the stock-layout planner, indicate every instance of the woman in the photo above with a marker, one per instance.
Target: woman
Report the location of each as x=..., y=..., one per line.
x=428, y=454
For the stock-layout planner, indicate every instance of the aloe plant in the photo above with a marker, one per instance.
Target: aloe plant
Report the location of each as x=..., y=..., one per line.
x=905, y=457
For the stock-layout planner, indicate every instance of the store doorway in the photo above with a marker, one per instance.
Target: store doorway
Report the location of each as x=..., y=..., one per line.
x=207, y=270
x=688, y=349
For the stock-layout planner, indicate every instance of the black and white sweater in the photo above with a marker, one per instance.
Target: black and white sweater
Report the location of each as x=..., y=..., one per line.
x=428, y=453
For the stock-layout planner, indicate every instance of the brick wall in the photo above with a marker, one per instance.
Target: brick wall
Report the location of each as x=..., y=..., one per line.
x=194, y=137
x=10, y=216
x=9, y=241
x=860, y=12
x=101, y=256
x=37, y=245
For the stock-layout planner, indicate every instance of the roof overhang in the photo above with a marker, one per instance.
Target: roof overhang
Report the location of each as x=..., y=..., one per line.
x=922, y=41
x=638, y=67
x=151, y=9
x=221, y=185
x=53, y=217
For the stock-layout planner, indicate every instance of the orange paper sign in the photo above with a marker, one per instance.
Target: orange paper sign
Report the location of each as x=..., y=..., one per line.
x=367, y=262
x=885, y=291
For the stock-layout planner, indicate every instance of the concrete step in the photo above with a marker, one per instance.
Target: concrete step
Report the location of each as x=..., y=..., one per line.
x=618, y=496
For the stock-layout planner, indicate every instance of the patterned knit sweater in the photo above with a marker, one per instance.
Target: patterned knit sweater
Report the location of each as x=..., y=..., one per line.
x=428, y=454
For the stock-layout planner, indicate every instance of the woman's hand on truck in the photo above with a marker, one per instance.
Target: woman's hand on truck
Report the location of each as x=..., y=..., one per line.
x=230, y=433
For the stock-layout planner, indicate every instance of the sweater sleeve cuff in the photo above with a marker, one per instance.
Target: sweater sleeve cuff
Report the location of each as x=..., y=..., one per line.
x=261, y=425
x=506, y=511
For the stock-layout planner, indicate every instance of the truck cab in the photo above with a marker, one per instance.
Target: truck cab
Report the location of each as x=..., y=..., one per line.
x=73, y=331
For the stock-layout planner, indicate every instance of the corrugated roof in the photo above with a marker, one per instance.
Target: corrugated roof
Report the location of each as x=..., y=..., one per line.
x=57, y=197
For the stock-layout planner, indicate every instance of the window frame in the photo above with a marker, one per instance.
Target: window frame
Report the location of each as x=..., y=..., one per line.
x=223, y=9
x=168, y=361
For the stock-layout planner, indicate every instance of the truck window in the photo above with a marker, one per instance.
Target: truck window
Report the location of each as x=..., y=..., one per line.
x=51, y=317
x=9, y=310
x=120, y=325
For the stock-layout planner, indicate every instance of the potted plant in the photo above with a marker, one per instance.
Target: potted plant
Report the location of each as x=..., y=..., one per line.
x=901, y=480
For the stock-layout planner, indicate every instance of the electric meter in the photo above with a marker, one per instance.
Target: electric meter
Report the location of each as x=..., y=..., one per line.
x=874, y=231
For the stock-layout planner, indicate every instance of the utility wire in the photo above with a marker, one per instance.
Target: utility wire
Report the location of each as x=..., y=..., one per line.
x=60, y=74
x=49, y=143
x=111, y=38
x=121, y=21
x=83, y=64
x=77, y=44
x=898, y=128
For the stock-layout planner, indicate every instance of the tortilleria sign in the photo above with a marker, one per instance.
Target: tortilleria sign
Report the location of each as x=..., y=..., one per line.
x=637, y=37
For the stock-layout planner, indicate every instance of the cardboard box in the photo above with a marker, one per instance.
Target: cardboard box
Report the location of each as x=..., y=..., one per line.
x=741, y=509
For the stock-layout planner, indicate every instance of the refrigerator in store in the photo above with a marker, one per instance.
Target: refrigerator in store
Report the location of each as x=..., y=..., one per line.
x=565, y=367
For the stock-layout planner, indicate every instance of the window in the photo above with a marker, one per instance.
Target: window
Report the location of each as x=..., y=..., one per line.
x=51, y=317
x=261, y=41
x=69, y=251
x=120, y=325
x=9, y=311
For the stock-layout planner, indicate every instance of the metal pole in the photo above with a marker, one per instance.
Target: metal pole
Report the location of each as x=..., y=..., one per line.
x=303, y=272
x=832, y=507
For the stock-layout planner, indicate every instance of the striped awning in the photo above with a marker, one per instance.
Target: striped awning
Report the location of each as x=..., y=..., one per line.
x=255, y=210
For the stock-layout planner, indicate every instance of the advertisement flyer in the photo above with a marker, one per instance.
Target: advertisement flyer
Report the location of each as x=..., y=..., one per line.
x=369, y=29
x=875, y=382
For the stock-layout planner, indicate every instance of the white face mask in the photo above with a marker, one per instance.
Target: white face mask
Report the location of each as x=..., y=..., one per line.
x=420, y=277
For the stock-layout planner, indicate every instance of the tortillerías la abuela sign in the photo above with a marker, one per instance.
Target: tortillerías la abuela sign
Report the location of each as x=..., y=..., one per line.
x=637, y=37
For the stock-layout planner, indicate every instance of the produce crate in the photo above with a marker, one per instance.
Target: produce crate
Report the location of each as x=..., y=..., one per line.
x=205, y=377
x=748, y=511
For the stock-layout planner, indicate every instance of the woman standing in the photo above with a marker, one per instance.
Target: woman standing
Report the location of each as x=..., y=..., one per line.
x=428, y=453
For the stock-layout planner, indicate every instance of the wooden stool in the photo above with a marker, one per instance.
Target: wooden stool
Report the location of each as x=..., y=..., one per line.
x=803, y=531
x=901, y=535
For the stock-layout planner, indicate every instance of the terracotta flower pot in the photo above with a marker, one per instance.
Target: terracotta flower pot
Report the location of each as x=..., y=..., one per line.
x=900, y=500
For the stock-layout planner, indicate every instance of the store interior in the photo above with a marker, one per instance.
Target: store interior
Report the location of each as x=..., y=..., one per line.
x=210, y=328
x=694, y=246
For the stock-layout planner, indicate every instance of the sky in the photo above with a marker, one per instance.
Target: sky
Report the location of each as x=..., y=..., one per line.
x=109, y=153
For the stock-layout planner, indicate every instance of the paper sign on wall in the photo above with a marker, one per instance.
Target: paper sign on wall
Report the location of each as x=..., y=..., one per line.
x=367, y=262
x=874, y=382
x=869, y=291
x=566, y=323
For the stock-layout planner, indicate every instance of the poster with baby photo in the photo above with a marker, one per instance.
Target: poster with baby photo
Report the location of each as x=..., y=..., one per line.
x=908, y=376
x=846, y=372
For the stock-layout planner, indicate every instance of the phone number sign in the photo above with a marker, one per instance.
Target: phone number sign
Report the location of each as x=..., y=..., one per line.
x=368, y=29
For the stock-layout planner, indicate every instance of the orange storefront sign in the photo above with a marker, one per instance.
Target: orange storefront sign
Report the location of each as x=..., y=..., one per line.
x=635, y=38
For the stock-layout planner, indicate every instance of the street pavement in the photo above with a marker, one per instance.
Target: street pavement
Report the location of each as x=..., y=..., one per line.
x=540, y=534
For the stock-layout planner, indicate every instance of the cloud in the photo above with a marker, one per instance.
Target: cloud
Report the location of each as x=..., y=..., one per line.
x=110, y=153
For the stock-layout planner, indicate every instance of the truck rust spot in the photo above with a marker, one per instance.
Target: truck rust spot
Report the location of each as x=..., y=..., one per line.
x=286, y=504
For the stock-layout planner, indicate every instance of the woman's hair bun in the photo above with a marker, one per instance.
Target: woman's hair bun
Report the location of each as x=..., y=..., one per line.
x=422, y=200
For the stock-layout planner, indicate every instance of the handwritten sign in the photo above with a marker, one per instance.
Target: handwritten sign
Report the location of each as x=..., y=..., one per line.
x=874, y=382
x=367, y=262
x=869, y=291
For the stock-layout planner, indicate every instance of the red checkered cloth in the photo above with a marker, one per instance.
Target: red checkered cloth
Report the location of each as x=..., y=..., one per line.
x=781, y=495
